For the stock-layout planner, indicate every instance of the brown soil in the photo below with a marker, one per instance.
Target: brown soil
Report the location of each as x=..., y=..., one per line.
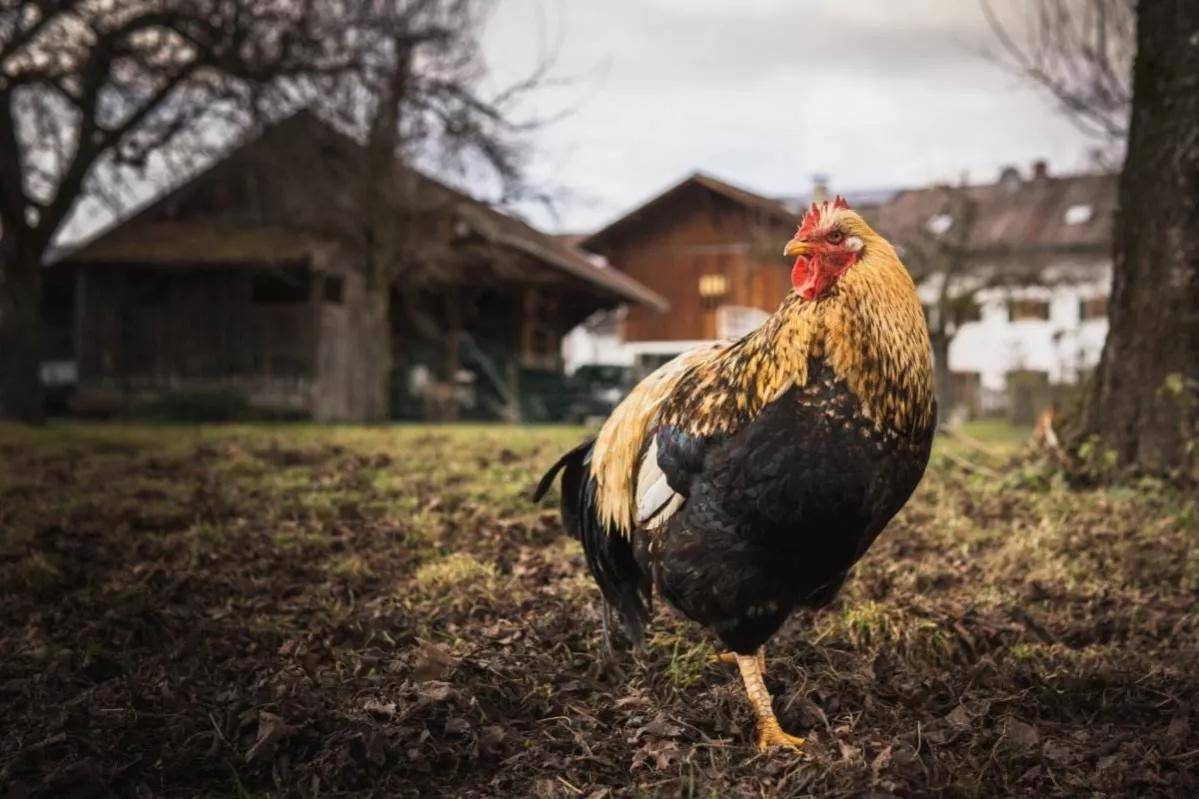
x=380, y=612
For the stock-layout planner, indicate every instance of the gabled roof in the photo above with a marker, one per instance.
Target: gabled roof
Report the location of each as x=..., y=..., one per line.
x=317, y=202
x=507, y=230
x=1071, y=213
x=773, y=210
x=864, y=201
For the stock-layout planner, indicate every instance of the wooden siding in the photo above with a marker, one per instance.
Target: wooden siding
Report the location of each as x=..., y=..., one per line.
x=698, y=236
x=154, y=329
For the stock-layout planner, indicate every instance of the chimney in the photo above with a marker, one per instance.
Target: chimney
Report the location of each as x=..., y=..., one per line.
x=1040, y=169
x=819, y=188
x=1009, y=178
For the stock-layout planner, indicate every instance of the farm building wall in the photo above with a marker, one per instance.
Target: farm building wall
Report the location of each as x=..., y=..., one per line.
x=701, y=255
x=148, y=334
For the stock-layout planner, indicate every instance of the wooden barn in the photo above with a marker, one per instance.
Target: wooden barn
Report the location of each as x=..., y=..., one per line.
x=713, y=250
x=248, y=282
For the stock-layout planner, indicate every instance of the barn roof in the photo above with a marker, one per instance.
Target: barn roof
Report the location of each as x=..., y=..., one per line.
x=505, y=230
x=773, y=210
x=1043, y=213
x=310, y=205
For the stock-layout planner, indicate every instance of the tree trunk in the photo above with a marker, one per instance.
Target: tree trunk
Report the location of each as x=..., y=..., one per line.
x=1153, y=343
x=21, y=395
x=380, y=220
x=942, y=382
x=453, y=351
x=374, y=332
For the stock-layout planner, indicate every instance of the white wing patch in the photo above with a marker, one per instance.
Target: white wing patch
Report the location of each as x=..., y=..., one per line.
x=656, y=500
x=615, y=459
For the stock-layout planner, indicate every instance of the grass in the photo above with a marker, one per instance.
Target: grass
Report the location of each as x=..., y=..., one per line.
x=420, y=628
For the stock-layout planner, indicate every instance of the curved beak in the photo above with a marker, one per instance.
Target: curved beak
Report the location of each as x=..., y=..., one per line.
x=796, y=247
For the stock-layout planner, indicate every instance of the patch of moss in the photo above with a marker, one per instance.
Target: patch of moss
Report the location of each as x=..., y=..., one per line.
x=459, y=569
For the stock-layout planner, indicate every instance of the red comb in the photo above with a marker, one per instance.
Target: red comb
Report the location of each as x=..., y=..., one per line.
x=810, y=220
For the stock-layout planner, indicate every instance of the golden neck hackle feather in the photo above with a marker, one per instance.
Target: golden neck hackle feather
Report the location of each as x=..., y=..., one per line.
x=869, y=329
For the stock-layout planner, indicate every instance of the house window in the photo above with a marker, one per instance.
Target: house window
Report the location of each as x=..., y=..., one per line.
x=712, y=289
x=939, y=224
x=713, y=286
x=1092, y=308
x=1024, y=310
x=334, y=288
x=1079, y=214
x=280, y=287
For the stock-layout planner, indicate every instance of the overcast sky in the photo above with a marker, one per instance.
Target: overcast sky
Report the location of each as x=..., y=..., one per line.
x=764, y=93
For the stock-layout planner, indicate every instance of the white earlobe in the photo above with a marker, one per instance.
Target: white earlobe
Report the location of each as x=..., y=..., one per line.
x=853, y=243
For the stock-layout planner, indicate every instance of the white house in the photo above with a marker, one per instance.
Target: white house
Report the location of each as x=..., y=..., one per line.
x=1034, y=254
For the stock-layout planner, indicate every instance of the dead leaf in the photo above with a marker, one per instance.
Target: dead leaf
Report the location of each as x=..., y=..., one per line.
x=492, y=736
x=433, y=663
x=662, y=726
x=959, y=718
x=377, y=708
x=271, y=730
x=456, y=726
x=880, y=761
x=848, y=751
x=1022, y=735
x=1180, y=725
x=433, y=691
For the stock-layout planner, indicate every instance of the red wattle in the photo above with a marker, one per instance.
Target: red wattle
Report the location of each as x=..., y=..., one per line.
x=800, y=272
x=807, y=278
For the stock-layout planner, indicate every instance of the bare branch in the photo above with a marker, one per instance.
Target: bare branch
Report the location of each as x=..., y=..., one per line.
x=1080, y=52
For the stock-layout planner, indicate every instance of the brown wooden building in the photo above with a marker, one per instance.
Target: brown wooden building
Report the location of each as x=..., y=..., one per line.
x=249, y=280
x=713, y=250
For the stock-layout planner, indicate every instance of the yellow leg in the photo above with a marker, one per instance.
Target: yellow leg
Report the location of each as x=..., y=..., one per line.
x=769, y=732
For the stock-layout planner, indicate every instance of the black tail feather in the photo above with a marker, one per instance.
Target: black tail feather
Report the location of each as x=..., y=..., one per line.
x=547, y=479
x=610, y=556
x=573, y=468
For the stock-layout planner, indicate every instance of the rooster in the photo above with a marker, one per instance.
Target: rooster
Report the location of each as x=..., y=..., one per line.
x=741, y=481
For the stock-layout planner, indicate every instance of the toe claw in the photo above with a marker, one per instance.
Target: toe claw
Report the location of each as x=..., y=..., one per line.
x=770, y=737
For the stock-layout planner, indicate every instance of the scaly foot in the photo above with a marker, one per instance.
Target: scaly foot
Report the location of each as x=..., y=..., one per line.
x=771, y=735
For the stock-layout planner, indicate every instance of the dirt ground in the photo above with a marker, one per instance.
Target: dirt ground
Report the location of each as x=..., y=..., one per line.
x=298, y=611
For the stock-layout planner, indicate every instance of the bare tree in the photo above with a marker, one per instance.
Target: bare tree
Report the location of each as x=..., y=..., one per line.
x=1125, y=70
x=421, y=100
x=1080, y=51
x=1144, y=401
x=90, y=87
x=94, y=90
x=939, y=258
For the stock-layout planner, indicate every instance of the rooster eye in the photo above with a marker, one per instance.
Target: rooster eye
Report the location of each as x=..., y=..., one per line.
x=835, y=237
